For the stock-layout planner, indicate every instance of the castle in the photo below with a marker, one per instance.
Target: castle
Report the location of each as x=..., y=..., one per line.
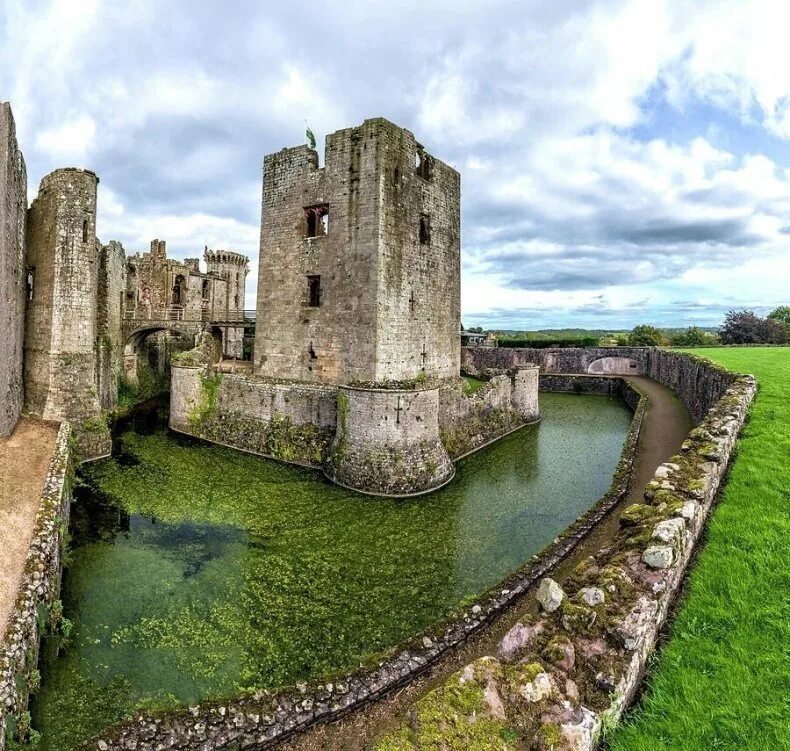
x=356, y=365
x=356, y=357
x=77, y=313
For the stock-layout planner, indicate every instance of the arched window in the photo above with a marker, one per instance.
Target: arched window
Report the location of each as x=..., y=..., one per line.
x=179, y=290
x=206, y=289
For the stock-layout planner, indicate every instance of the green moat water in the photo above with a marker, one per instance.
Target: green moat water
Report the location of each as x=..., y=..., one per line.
x=200, y=572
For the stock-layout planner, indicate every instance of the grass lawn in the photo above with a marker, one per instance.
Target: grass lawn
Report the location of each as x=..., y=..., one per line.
x=722, y=680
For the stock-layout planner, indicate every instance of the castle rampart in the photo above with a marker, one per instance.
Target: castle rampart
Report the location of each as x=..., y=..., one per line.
x=13, y=210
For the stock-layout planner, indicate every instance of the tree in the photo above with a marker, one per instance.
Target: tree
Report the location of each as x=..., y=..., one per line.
x=782, y=315
x=645, y=336
x=746, y=327
x=693, y=336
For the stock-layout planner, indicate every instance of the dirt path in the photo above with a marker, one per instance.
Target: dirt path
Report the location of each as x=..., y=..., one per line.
x=665, y=426
x=24, y=462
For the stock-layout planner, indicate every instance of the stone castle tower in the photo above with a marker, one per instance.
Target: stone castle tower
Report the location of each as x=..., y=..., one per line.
x=232, y=267
x=359, y=275
x=63, y=259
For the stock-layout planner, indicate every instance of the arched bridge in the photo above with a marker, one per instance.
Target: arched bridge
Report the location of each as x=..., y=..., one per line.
x=229, y=325
x=139, y=321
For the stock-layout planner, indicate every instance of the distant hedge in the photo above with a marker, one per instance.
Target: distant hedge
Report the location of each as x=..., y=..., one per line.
x=579, y=341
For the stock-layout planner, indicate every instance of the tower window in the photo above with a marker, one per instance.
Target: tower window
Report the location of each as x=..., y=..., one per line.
x=314, y=291
x=425, y=229
x=423, y=164
x=29, y=284
x=206, y=289
x=84, y=230
x=317, y=218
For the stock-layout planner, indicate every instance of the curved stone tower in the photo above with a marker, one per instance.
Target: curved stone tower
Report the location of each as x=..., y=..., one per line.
x=387, y=442
x=60, y=336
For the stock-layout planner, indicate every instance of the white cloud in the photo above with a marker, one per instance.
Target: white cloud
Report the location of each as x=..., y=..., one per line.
x=566, y=211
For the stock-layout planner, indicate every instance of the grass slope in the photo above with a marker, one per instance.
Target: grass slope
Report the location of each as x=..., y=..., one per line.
x=722, y=681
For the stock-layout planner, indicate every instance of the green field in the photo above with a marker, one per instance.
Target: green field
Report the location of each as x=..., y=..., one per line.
x=722, y=681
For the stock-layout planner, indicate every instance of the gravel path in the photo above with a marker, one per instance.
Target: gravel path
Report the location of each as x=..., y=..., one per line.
x=24, y=462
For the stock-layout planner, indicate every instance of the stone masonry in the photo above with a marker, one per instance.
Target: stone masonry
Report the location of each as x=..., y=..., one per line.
x=61, y=337
x=13, y=208
x=359, y=276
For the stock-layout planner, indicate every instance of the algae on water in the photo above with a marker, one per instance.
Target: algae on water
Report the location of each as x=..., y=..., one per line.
x=199, y=572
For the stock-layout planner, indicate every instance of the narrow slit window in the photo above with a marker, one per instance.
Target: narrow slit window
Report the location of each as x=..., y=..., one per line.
x=317, y=220
x=425, y=229
x=30, y=284
x=84, y=230
x=314, y=291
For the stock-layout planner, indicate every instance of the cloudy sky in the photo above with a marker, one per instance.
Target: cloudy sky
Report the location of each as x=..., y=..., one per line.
x=622, y=161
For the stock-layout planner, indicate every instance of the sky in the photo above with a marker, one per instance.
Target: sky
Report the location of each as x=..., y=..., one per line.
x=622, y=161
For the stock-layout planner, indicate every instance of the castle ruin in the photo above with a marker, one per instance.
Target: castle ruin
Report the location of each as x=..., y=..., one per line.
x=356, y=365
x=78, y=316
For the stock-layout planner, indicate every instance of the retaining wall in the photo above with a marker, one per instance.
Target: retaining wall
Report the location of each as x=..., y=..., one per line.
x=37, y=610
x=290, y=422
x=562, y=675
x=698, y=383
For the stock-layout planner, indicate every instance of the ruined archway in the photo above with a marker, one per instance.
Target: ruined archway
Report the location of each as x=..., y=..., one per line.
x=147, y=352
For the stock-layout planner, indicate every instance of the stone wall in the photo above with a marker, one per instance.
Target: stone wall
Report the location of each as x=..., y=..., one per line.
x=37, y=610
x=13, y=210
x=60, y=335
x=698, y=383
x=290, y=422
x=597, y=360
x=387, y=442
x=109, y=319
x=263, y=720
x=387, y=298
x=505, y=403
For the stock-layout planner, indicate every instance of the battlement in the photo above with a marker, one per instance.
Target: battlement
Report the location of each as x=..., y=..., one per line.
x=65, y=175
x=225, y=257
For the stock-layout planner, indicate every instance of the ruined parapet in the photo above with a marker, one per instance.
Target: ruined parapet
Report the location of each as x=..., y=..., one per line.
x=524, y=396
x=387, y=442
x=60, y=333
x=13, y=208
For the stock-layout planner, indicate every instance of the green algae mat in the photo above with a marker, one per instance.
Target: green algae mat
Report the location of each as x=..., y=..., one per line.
x=197, y=571
x=722, y=681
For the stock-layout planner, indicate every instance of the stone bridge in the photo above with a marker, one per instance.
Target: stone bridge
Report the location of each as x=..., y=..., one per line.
x=228, y=325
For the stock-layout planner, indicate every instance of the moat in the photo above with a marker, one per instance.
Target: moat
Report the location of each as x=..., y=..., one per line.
x=198, y=571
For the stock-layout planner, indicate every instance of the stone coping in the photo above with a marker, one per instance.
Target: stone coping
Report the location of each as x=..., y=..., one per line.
x=265, y=718
x=36, y=610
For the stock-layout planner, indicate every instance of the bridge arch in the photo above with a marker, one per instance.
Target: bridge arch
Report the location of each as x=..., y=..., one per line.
x=614, y=366
x=136, y=355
